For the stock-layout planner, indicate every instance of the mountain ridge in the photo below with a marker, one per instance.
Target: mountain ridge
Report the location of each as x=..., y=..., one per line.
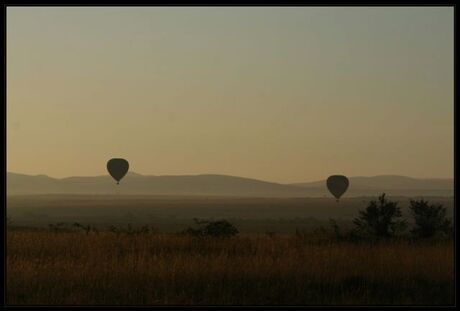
x=218, y=184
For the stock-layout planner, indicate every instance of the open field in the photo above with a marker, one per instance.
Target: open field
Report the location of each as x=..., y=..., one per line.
x=74, y=268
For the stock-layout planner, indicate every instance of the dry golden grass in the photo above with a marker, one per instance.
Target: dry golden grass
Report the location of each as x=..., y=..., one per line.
x=75, y=269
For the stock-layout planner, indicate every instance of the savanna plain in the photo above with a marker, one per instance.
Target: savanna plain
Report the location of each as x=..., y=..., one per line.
x=87, y=251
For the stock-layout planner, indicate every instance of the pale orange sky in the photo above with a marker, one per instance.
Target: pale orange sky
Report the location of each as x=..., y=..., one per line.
x=279, y=94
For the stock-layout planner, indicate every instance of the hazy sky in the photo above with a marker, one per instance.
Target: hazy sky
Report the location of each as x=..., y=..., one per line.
x=280, y=94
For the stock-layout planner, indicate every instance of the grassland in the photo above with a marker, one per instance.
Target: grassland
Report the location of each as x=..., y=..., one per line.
x=253, y=268
x=250, y=269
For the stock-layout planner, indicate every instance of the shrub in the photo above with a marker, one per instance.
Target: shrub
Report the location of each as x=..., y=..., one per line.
x=335, y=227
x=60, y=227
x=130, y=230
x=219, y=228
x=87, y=228
x=193, y=232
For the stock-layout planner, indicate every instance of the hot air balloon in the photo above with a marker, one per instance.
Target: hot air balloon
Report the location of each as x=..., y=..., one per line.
x=117, y=168
x=337, y=185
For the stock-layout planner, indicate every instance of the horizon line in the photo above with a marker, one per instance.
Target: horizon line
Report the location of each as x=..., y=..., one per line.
x=216, y=174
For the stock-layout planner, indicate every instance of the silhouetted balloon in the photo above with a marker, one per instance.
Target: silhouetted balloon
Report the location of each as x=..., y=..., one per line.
x=337, y=185
x=117, y=168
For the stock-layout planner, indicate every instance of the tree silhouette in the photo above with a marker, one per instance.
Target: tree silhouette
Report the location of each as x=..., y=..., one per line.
x=429, y=219
x=380, y=219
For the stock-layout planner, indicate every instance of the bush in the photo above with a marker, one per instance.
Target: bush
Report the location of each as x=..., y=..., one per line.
x=86, y=228
x=380, y=219
x=429, y=219
x=336, y=229
x=341, y=235
x=220, y=228
x=130, y=230
x=193, y=232
x=61, y=227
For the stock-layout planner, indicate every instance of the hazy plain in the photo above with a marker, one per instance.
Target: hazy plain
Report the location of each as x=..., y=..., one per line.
x=172, y=213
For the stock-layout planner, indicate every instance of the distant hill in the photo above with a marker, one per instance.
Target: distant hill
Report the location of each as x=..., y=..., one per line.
x=221, y=185
x=392, y=184
x=134, y=183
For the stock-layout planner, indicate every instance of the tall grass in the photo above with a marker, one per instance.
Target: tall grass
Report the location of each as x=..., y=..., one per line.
x=155, y=269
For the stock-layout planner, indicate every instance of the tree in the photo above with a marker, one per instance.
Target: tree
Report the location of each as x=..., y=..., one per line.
x=429, y=219
x=381, y=219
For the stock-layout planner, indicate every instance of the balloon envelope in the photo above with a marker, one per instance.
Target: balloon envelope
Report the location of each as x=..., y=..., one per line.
x=117, y=168
x=337, y=185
